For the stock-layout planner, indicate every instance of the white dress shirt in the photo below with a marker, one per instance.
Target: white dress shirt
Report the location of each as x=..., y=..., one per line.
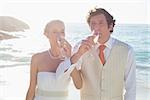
x=130, y=70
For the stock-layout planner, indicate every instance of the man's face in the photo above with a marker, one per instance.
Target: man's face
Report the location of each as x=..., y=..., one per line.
x=99, y=24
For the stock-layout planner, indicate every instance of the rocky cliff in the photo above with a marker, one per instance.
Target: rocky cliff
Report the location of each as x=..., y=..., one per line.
x=11, y=24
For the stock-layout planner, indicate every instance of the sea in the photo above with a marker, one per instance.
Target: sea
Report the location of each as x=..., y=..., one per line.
x=17, y=52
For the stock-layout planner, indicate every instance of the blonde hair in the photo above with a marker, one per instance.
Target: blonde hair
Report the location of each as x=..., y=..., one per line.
x=51, y=23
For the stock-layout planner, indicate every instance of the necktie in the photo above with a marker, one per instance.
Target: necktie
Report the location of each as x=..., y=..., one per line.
x=101, y=53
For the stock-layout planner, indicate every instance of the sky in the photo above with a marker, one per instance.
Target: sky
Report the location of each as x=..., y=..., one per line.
x=40, y=11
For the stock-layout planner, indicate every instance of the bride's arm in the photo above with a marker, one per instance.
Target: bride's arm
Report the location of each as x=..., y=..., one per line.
x=33, y=75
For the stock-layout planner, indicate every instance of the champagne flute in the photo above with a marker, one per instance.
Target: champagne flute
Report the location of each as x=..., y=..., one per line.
x=61, y=43
x=97, y=36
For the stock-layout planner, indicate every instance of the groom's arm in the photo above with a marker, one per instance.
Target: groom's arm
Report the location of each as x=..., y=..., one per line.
x=76, y=74
x=130, y=77
x=81, y=49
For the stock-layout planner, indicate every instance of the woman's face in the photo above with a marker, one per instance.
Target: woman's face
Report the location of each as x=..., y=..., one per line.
x=55, y=31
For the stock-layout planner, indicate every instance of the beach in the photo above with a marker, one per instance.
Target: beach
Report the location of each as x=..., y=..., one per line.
x=15, y=81
x=15, y=56
x=14, y=84
x=22, y=24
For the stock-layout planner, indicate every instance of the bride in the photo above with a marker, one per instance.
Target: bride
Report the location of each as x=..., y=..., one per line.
x=50, y=71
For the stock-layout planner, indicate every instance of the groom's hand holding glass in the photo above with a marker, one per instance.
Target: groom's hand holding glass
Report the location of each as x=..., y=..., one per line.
x=86, y=45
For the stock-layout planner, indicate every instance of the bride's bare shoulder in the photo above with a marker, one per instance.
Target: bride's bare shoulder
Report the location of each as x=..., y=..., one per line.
x=38, y=56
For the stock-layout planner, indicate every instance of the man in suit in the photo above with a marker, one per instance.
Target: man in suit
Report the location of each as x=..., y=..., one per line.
x=108, y=67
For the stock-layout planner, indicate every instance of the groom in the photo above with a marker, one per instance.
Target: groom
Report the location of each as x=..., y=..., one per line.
x=108, y=69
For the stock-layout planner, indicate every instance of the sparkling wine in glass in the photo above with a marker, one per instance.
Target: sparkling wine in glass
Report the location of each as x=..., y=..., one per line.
x=61, y=42
x=97, y=35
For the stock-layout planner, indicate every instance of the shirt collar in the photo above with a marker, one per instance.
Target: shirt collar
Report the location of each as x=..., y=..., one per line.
x=109, y=43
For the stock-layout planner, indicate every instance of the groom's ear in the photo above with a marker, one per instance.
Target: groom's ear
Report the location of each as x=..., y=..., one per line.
x=111, y=27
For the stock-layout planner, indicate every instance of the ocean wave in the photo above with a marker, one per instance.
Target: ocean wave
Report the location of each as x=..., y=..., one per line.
x=15, y=65
x=143, y=66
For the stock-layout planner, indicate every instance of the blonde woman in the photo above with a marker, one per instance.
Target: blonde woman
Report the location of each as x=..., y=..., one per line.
x=50, y=70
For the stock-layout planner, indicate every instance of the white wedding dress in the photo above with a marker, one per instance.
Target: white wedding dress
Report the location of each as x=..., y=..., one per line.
x=54, y=86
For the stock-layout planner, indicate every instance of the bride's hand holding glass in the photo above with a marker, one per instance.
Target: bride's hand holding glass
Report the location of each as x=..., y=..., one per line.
x=65, y=47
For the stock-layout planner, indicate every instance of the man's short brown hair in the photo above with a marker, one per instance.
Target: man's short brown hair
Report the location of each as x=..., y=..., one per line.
x=97, y=11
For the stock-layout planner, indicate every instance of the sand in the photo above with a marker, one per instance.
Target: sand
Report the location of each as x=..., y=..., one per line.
x=14, y=83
